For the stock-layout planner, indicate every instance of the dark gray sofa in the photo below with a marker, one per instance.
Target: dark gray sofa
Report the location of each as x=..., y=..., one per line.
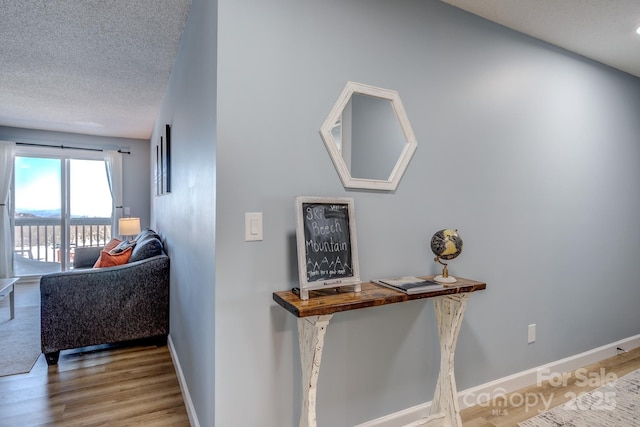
x=84, y=307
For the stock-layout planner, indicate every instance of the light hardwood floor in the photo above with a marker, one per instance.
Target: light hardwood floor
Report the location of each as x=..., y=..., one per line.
x=137, y=385
x=518, y=406
x=99, y=386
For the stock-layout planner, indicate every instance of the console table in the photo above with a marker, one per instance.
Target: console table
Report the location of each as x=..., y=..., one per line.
x=315, y=313
x=7, y=287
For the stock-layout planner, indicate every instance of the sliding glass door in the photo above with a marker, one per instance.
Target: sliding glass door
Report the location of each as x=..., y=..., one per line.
x=90, y=205
x=60, y=203
x=37, y=215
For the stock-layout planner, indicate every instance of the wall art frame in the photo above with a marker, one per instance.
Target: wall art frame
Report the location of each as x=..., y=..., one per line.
x=162, y=175
x=167, y=159
x=157, y=175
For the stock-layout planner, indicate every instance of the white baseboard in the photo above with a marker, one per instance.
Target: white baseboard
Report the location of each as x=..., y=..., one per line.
x=484, y=392
x=188, y=403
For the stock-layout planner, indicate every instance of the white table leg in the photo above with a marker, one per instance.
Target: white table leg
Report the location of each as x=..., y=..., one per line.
x=311, y=332
x=444, y=406
x=7, y=285
x=449, y=312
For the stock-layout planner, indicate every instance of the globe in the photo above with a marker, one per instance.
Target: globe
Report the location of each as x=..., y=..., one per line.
x=446, y=244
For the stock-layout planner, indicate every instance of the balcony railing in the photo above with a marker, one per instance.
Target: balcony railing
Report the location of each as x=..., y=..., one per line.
x=40, y=238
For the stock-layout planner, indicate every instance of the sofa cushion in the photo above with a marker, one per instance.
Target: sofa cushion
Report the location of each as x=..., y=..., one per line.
x=122, y=246
x=146, y=247
x=85, y=256
x=108, y=259
x=147, y=232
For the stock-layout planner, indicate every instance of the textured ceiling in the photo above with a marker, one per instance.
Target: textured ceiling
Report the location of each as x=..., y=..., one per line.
x=101, y=67
x=603, y=30
x=87, y=66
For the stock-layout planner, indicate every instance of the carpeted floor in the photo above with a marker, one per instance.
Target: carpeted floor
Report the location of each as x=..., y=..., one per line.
x=20, y=337
x=616, y=404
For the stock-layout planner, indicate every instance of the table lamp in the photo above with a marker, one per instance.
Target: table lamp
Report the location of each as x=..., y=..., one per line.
x=129, y=227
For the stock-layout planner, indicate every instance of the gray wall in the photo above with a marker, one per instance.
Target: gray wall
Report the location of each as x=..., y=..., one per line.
x=531, y=152
x=135, y=167
x=186, y=217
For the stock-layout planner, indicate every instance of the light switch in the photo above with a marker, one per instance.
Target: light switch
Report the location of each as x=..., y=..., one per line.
x=252, y=226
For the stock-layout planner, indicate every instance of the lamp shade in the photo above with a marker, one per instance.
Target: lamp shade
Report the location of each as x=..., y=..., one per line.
x=129, y=226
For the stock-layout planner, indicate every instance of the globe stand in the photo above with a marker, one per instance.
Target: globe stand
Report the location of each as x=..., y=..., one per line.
x=444, y=277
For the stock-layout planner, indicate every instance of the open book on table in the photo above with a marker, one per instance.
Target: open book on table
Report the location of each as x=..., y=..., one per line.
x=410, y=284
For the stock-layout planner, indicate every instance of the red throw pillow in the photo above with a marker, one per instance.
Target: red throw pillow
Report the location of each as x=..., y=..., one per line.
x=109, y=260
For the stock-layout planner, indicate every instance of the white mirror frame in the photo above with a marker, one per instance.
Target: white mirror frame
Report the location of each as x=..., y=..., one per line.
x=336, y=156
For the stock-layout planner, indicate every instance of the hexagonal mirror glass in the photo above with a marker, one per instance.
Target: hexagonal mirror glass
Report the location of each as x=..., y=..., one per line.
x=369, y=138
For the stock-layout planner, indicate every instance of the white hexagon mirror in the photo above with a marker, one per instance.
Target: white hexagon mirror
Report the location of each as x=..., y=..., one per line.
x=369, y=137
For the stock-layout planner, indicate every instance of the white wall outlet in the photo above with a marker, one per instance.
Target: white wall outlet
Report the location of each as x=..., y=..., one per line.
x=127, y=211
x=531, y=336
x=252, y=226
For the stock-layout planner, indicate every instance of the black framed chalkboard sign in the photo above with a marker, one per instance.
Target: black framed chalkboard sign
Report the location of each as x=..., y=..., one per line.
x=327, y=245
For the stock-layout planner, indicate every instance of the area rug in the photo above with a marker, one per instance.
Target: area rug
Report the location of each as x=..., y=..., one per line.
x=20, y=341
x=616, y=404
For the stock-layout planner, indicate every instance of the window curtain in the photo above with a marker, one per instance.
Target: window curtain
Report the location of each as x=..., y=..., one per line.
x=113, y=162
x=7, y=156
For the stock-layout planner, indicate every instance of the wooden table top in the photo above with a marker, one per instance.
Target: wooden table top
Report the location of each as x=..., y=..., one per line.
x=333, y=300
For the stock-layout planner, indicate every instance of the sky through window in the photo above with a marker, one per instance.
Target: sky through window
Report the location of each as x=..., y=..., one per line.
x=38, y=188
